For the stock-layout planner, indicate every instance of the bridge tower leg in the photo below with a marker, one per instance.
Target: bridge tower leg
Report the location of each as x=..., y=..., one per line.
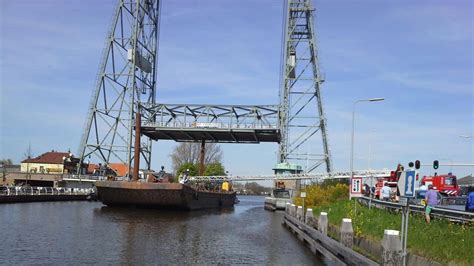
x=301, y=105
x=125, y=79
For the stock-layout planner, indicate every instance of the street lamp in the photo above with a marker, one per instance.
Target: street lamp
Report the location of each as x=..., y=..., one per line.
x=352, y=137
x=466, y=136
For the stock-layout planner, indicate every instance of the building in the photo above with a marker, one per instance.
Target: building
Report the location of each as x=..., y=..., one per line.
x=283, y=169
x=52, y=162
x=112, y=169
x=466, y=181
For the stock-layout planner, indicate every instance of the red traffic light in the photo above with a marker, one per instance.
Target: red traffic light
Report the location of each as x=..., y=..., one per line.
x=417, y=164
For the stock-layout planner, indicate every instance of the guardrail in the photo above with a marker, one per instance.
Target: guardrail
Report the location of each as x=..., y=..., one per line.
x=436, y=211
x=17, y=191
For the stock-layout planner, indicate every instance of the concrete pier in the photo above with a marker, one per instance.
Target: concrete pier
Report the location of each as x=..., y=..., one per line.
x=347, y=233
x=299, y=213
x=392, y=248
x=323, y=223
x=309, y=218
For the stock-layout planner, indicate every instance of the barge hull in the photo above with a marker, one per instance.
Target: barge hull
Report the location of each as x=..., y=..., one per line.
x=161, y=195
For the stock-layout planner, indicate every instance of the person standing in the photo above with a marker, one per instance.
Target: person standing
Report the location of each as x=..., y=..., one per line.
x=423, y=186
x=470, y=200
x=431, y=198
x=385, y=192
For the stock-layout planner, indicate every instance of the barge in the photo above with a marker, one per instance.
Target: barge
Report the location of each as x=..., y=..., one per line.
x=162, y=195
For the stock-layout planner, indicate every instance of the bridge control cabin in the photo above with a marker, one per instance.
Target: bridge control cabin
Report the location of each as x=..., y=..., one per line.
x=283, y=169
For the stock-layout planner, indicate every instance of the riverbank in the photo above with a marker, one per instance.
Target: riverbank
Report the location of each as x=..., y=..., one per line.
x=441, y=240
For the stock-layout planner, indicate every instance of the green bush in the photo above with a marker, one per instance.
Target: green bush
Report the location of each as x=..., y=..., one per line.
x=317, y=195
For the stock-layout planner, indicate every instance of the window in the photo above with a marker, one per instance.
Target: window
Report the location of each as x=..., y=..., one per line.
x=450, y=181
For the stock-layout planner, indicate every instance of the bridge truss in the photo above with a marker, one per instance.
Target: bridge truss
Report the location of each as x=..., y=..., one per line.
x=306, y=176
x=302, y=112
x=126, y=77
x=211, y=123
x=126, y=82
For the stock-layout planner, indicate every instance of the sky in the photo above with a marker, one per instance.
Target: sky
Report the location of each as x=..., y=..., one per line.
x=418, y=55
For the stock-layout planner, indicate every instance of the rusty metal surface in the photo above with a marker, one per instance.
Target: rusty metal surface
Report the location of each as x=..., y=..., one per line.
x=137, y=185
x=161, y=195
x=40, y=198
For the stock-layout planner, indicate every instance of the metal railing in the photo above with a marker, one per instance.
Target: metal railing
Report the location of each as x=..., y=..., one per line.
x=315, y=176
x=17, y=191
x=210, y=125
x=436, y=211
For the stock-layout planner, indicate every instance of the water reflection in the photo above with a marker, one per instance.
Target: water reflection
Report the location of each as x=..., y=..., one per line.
x=86, y=233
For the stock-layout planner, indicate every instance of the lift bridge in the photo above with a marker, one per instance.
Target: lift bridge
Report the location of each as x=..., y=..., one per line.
x=126, y=84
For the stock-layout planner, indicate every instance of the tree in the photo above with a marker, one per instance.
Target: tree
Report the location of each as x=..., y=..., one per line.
x=190, y=152
x=193, y=169
x=214, y=169
x=6, y=162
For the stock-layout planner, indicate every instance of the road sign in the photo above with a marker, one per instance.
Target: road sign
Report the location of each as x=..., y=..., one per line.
x=406, y=183
x=303, y=194
x=410, y=183
x=356, y=187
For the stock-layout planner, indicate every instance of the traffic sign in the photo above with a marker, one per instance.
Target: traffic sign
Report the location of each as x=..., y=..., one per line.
x=410, y=184
x=356, y=187
x=303, y=195
x=406, y=183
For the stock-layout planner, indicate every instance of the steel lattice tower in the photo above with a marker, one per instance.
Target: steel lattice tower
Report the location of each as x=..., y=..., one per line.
x=302, y=112
x=126, y=78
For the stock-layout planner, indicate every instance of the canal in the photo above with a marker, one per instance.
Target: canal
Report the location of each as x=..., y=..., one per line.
x=90, y=233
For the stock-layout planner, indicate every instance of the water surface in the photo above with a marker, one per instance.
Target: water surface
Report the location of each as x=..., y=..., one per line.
x=90, y=233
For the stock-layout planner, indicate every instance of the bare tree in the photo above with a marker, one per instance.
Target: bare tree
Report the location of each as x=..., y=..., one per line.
x=190, y=152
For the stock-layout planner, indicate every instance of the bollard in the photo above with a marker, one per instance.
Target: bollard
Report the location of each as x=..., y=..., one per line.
x=309, y=218
x=299, y=213
x=293, y=210
x=287, y=208
x=347, y=234
x=391, y=248
x=323, y=223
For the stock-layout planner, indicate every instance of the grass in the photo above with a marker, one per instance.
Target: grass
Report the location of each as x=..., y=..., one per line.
x=441, y=240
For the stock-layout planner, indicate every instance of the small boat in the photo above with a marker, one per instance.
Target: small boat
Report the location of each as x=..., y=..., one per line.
x=277, y=200
x=162, y=195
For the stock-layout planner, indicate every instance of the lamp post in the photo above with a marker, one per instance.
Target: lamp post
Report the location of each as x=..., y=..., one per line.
x=352, y=136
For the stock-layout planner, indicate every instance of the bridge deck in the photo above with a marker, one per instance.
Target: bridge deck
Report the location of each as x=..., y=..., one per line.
x=218, y=135
x=212, y=123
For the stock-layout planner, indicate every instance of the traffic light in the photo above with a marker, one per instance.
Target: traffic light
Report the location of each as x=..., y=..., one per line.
x=410, y=164
x=417, y=164
x=435, y=164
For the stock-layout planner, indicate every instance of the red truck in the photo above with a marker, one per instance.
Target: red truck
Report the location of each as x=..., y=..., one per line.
x=445, y=184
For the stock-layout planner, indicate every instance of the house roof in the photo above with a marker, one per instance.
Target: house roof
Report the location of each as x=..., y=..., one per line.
x=120, y=168
x=52, y=157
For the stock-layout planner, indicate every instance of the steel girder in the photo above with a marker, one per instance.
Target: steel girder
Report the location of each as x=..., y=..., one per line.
x=212, y=123
x=126, y=77
x=302, y=113
x=306, y=176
